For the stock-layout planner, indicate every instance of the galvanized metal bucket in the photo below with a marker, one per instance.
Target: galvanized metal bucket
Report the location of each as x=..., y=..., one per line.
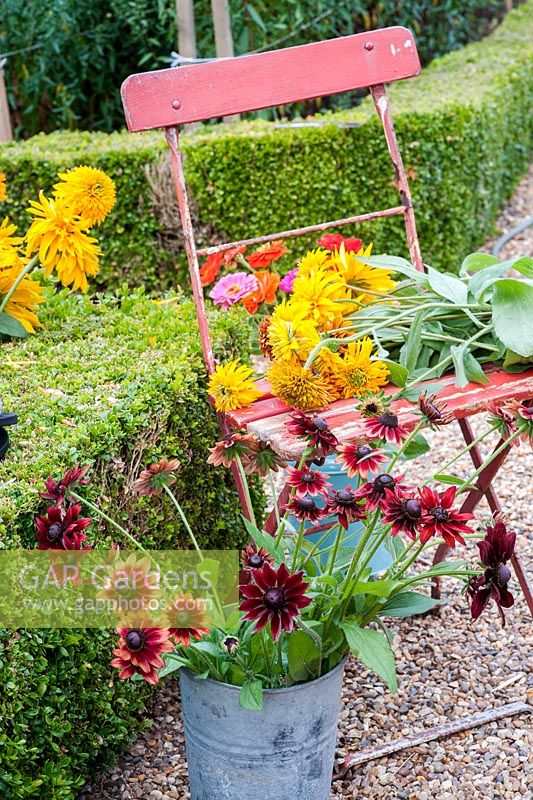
x=283, y=752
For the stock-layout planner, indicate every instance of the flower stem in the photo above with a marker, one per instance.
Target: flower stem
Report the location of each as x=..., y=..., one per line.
x=112, y=522
x=249, y=504
x=490, y=459
x=26, y=271
x=185, y=522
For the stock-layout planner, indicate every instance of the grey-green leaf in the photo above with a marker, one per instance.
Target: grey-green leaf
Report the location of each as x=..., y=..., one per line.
x=12, y=327
x=407, y=604
x=373, y=650
x=512, y=315
x=251, y=695
x=448, y=286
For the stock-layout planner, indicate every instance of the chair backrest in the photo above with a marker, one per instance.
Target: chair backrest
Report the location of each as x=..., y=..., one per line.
x=173, y=97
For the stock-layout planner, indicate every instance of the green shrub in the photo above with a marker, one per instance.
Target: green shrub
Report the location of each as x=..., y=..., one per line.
x=117, y=383
x=465, y=130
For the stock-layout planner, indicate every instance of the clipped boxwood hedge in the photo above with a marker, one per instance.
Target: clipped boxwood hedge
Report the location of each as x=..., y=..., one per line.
x=464, y=127
x=118, y=383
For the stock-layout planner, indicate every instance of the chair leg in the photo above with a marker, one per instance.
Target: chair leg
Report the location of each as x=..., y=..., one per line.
x=484, y=488
x=272, y=521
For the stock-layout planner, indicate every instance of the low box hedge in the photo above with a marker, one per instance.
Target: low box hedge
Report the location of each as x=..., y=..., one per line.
x=118, y=383
x=464, y=127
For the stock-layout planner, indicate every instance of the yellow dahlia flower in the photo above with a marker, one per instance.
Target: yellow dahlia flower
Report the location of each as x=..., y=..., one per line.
x=362, y=276
x=7, y=229
x=88, y=191
x=291, y=333
x=25, y=299
x=297, y=386
x=3, y=194
x=313, y=259
x=316, y=293
x=232, y=386
x=58, y=235
x=354, y=371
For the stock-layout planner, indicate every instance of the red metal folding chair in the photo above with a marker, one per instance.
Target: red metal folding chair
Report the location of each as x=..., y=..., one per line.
x=173, y=97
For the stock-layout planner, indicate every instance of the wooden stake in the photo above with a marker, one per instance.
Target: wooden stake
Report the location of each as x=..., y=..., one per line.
x=223, y=34
x=186, y=29
x=6, y=131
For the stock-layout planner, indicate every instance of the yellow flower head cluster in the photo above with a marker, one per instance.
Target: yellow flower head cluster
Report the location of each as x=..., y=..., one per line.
x=22, y=299
x=232, y=387
x=59, y=232
x=3, y=194
x=89, y=191
x=330, y=285
x=59, y=237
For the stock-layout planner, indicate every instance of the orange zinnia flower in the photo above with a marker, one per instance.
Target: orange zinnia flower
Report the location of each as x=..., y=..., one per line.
x=211, y=267
x=268, y=283
x=266, y=254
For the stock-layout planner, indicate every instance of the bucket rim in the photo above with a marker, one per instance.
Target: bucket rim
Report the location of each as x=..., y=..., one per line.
x=296, y=687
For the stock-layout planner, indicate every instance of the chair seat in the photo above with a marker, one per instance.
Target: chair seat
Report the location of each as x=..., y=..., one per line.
x=266, y=417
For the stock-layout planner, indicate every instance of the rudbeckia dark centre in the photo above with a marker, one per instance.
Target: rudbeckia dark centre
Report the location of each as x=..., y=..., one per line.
x=320, y=424
x=344, y=496
x=306, y=503
x=274, y=599
x=135, y=640
x=413, y=509
x=388, y=419
x=383, y=482
x=256, y=561
x=363, y=450
x=440, y=514
x=54, y=532
x=308, y=477
x=503, y=575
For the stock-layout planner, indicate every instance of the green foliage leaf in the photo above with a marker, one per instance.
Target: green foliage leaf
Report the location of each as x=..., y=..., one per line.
x=407, y=604
x=411, y=349
x=373, y=650
x=262, y=539
x=448, y=286
x=453, y=480
x=397, y=372
x=378, y=588
x=303, y=657
x=417, y=447
x=251, y=695
x=12, y=327
x=477, y=261
x=398, y=264
x=512, y=315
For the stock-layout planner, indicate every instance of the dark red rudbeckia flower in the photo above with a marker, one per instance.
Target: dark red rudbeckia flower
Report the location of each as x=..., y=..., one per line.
x=434, y=411
x=57, y=489
x=139, y=652
x=385, y=427
x=403, y=511
x=503, y=420
x=374, y=491
x=522, y=413
x=62, y=530
x=308, y=481
x=345, y=504
x=275, y=596
x=231, y=446
x=314, y=429
x=333, y=241
x=440, y=519
x=304, y=509
x=495, y=550
x=254, y=558
x=360, y=459
x=186, y=620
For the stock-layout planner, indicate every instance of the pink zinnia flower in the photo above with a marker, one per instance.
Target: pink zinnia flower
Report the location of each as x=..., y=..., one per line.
x=287, y=283
x=232, y=288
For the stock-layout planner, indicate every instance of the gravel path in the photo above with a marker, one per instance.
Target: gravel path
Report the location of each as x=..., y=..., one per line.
x=448, y=668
